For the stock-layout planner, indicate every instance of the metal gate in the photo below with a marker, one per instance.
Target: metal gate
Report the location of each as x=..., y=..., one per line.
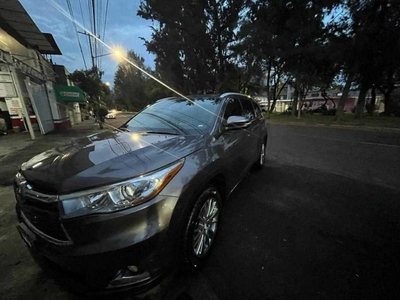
x=41, y=106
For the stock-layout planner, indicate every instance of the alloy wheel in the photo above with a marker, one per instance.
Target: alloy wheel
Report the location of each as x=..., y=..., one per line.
x=262, y=154
x=205, y=227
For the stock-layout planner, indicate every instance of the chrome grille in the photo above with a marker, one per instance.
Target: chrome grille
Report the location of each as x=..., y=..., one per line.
x=41, y=213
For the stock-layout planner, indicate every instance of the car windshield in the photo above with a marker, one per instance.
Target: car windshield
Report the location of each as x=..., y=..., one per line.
x=174, y=115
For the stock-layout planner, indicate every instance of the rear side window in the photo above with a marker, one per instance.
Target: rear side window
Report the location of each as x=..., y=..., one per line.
x=256, y=108
x=233, y=108
x=248, y=110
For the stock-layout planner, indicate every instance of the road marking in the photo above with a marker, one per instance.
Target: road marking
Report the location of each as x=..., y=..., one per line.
x=348, y=141
x=379, y=144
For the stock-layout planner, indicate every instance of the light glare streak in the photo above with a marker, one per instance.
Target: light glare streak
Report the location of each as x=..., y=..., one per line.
x=117, y=52
x=119, y=55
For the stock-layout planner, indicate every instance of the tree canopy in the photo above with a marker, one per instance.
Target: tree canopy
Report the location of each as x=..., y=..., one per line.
x=260, y=46
x=133, y=89
x=90, y=82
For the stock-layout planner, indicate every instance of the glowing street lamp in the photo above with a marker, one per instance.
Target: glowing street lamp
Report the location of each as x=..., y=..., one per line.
x=116, y=53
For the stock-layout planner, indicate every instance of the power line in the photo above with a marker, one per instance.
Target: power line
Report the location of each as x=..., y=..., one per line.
x=99, y=28
x=94, y=26
x=76, y=31
x=102, y=20
x=105, y=22
x=89, y=11
x=90, y=15
x=65, y=23
x=83, y=19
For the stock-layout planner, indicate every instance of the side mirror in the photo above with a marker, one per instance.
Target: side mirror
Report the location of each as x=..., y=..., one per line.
x=237, y=122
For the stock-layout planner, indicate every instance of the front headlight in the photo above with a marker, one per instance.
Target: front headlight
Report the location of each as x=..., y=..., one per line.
x=118, y=196
x=19, y=179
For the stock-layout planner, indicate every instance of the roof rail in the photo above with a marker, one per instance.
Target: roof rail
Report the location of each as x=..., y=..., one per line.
x=233, y=94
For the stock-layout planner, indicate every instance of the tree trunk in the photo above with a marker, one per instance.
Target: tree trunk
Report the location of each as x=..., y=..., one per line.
x=371, y=104
x=343, y=98
x=361, y=102
x=295, y=99
x=268, y=87
x=301, y=101
x=273, y=105
x=388, y=104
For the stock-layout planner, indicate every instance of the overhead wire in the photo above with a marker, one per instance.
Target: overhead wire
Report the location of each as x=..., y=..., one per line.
x=105, y=23
x=99, y=28
x=76, y=31
x=65, y=23
x=84, y=23
x=92, y=43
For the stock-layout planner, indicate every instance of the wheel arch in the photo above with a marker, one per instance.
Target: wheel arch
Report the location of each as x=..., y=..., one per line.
x=219, y=182
x=189, y=196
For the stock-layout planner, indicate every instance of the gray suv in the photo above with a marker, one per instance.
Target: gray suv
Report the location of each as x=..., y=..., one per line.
x=119, y=208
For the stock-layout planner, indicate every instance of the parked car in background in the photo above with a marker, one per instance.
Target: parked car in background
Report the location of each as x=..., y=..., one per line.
x=110, y=115
x=119, y=208
x=264, y=107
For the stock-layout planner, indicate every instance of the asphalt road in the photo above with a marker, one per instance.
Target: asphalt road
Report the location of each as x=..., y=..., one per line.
x=321, y=221
x=120, y=119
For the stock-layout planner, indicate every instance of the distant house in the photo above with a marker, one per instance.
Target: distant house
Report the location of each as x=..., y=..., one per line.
x=316, y=98
x=330, y=98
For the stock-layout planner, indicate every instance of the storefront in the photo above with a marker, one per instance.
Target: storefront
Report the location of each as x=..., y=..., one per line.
x=68, y=101
x=26, y=75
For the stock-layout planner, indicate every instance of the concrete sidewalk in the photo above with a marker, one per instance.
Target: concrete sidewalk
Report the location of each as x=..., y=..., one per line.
x=17, y=148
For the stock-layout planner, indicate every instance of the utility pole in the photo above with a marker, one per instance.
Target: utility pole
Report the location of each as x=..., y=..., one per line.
x=90, y=47
x=91, y=50
x=94, y=29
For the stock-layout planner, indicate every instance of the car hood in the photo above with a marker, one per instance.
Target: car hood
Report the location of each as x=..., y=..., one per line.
x=105, y=158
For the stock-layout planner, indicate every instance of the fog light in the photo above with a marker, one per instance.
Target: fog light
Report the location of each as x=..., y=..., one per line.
x=133, y=269
x=129, y=276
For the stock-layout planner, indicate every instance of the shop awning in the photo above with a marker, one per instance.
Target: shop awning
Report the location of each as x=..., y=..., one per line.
x=66, y=93
x=16, y=21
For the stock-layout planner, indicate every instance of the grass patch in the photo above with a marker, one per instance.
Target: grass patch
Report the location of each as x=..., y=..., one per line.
x=348, y=119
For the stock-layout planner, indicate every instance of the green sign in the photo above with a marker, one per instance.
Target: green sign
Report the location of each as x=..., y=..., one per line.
x=66, y=93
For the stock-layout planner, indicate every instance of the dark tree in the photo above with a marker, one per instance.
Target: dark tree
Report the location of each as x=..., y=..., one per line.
x=191, y=41
x=134, y=89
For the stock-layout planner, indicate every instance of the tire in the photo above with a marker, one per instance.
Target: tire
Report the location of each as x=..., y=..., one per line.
x=201, y=228
x=259, y=164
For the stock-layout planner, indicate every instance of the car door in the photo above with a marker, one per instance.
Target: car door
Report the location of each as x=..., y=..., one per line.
x=252, y=132
x=234, y=145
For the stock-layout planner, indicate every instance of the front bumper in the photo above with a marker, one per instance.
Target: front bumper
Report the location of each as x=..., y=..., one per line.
x=103, y=246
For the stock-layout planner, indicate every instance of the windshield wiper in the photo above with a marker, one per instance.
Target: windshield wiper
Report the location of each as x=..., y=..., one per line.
x=160, y=132
x=174, y=126
x=183, y=121
x=124, y=129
